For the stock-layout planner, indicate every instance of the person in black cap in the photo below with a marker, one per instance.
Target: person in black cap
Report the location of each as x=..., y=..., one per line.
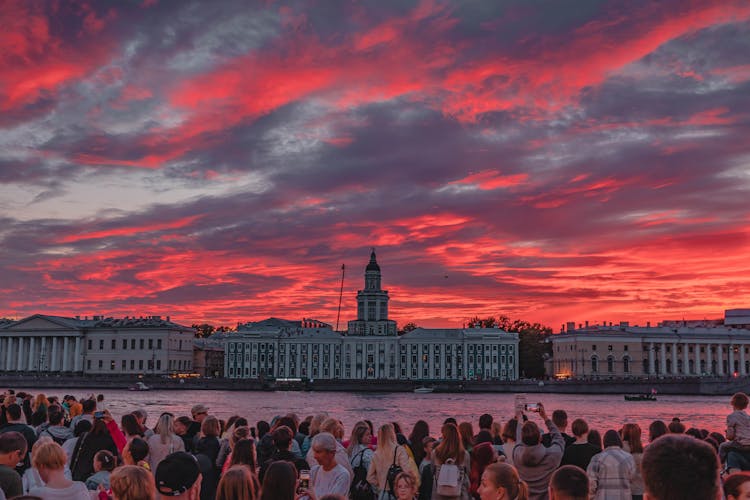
x=178, y=476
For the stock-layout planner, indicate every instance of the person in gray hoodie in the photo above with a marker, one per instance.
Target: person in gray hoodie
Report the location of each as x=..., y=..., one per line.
x=56, y=428
x=534, y=461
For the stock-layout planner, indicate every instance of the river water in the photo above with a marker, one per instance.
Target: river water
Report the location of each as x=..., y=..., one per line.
x=602, y=412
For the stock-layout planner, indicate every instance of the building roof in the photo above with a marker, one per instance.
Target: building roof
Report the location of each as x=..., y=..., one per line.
x=646, y=331
x=458, y=333
x=99, y=322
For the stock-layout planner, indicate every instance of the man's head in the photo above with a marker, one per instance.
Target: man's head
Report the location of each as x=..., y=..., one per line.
x=569, y=483
x=13, y=448
x=282, y=437
x=612, y=438
x=675, y=467
x=485, y=421
x=324, y=450
x=56, y=416
x=199, y=412
x=530, y=434
x=579, y=428
x=676, y=427
x=89, y=406
x=140, y=415
x=14, y=412
x=178, y=476
x=560, y=419
x=739, y=401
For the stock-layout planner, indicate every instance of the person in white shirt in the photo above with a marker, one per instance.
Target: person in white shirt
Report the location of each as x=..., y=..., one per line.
x=327, y=477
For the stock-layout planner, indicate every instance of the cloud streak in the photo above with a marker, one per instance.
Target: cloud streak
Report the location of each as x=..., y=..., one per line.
x=219, y=163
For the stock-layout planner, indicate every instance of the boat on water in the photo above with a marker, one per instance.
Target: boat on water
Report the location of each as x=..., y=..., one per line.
x=139, y=386
x=423, y=390
x=640, y=397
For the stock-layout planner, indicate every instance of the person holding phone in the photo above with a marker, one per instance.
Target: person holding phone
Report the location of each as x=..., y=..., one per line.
x=534, y=461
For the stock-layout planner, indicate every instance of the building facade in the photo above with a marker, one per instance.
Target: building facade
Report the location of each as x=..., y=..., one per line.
x=370, y=349
x=56, y=344
x=664, y=351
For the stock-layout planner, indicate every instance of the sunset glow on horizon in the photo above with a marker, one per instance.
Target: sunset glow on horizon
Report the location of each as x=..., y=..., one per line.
x=219, y=161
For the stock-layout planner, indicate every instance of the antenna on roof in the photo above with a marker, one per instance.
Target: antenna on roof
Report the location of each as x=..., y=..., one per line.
x=341, y=294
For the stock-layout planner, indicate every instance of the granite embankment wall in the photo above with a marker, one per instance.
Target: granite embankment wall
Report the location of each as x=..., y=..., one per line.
x=704, y=386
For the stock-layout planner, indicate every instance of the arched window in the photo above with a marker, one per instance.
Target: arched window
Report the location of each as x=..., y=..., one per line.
x=626, y=364
x=610, y=364
x=594, y=364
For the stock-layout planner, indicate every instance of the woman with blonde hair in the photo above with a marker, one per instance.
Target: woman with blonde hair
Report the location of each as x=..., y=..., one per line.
x=388, y=454
x=49, y=460
x=238, y=484
x=131, y=482
x=451, y=452
x=164, y=441
x=500, y=480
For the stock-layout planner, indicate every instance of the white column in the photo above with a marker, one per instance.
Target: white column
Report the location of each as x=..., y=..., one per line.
x=53, y=360
x=32, y=352
x=9, y=354
x=675, y=371
x=743, y=372
x=651, y=361
x=66, y=361
x=663, y=358
x=719, y=359
x=731, y=359
x=77, y=359
x=698, y=359
x=685, y=359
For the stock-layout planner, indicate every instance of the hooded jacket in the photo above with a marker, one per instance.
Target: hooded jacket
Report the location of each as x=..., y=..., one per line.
x=535, y=464
x=59, y=433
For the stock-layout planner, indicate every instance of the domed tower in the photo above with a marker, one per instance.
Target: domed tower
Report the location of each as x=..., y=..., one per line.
x=372, y=305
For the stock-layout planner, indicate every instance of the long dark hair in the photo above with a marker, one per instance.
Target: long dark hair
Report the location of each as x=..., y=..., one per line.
x=420, y=431
x=280, y=481
x=243, y=453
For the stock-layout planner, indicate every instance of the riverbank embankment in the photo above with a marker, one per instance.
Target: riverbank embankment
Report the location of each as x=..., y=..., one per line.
x=686, y=386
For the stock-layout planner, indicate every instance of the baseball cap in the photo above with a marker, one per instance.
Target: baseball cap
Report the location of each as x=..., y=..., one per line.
x=199, y=409
x=176, y=474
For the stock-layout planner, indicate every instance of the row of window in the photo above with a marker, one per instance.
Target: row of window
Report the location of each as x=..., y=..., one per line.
x=150, y=364
x=141, y=343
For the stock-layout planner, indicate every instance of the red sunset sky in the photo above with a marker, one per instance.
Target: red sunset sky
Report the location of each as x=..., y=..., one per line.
x=219, y=161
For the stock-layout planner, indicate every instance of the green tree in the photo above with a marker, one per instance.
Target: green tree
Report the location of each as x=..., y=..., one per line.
x=410, y=326
x=533, y=341
x=203, y=330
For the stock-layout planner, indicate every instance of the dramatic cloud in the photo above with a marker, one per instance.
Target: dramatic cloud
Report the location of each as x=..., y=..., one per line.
x=220, y=161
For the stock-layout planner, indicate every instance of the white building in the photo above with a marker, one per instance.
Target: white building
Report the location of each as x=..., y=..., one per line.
x=371, y=349
x=56, y=344
x=663, y=351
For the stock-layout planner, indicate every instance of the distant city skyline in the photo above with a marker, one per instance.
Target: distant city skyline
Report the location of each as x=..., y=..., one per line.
x=219, y=162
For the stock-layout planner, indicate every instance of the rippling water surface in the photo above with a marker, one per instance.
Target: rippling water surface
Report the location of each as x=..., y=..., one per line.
x=601, y=411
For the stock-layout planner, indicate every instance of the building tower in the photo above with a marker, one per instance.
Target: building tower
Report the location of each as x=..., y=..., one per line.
x=372, y=305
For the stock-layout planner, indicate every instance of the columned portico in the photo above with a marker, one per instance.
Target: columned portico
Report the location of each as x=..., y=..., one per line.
x=32, y=354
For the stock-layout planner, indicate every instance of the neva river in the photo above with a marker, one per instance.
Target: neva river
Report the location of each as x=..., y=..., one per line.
x=602, y=412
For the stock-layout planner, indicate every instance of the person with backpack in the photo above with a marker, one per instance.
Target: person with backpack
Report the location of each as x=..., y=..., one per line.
x=56, y=428
x=360, y=456
x=387, y=462
x=451, y=465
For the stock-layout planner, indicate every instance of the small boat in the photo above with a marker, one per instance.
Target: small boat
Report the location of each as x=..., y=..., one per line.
x=640, y=397
x=139, y=386
x=423, y=390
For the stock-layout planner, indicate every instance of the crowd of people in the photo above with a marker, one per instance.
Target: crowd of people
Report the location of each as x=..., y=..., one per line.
x=73, y=449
